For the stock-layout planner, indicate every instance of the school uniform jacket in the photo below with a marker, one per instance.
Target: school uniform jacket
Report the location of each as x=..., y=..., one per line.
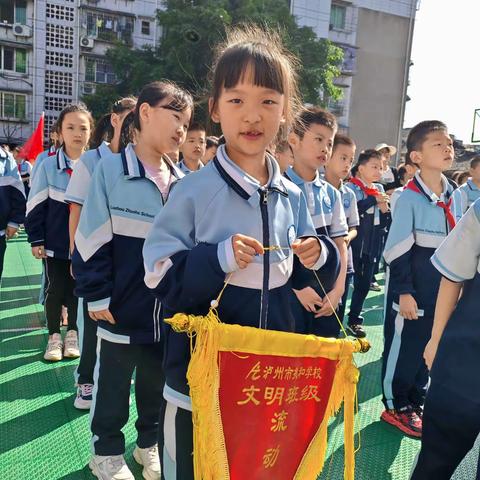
x=183, y=167
x=464, y=196
x=349, y=202
x=368, y=241
x=47, y=213
x=188, y=254
x=80, y=182
x=50, y=152
x=107, y=262
x=418, y=228
x=458, y=353
x=12, y=193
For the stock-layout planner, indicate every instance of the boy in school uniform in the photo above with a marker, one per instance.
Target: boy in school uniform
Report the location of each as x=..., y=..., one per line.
x=366, y=246
x=405, y=172
x=193, y=150
x=451, y=421
x=12, y=201
x=423, y=217
x=465, y=195
x=336, y=171
x=311, y=142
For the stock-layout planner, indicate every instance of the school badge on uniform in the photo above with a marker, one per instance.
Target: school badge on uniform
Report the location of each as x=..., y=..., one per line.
x=346, y=203
x=262, y=399
x=327, y=203
x=291, y=235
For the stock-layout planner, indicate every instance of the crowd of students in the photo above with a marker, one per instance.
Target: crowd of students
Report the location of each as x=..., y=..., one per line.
x=152, y=218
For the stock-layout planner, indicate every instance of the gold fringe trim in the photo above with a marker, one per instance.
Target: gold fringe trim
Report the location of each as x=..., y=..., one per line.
x=211, y=336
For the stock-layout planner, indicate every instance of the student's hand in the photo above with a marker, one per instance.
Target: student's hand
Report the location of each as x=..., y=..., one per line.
x=430, y=352
x=408, y=307
x=383, y=207
x=102, y=315
x=307, y=250
x=245, y=248
x=382, y=198
x=309, y=299
x=39, y=252
x=10, y=232
x=335, y=296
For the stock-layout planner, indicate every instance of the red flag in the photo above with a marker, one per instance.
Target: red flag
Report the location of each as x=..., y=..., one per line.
x=34, y=145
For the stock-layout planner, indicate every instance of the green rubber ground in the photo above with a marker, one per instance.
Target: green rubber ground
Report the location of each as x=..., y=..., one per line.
x=43, y=437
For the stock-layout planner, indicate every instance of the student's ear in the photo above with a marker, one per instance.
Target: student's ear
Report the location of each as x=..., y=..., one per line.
x=293, y=140
x=114, y=120
x=416, y=157
x=144, y=112
x=213, y=112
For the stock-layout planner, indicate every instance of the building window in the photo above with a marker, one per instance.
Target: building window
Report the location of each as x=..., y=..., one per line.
x=98, y=71
x=109, y=28
x=59, y=59
x=145, y=27
x=13, y=59
x=60, y=12
x=338, y=15
x=59, y=36
x=58, y=83
x=13, y=105
x=13, y=11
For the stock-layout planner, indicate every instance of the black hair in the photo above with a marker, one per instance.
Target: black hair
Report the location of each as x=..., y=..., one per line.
x=104, y=129
x=309, y=116
x=341, y=139
x=196, y=127
x=475, y=161
x=72, y=108
x=364, y=158
x=272, y=66
x=211, y=142
x=418, y=134
x=153, y=93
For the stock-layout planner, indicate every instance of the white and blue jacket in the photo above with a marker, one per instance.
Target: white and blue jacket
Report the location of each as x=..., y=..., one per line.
x=50, y=152
x=418, y=228
x=458, y=354
x=12, y=193
x=368, y=241
x=107, y=262
x=181, y=165
x=188, y=254
x=80, y=182
x=464, y=196
x=47, y=213
x=349, y=202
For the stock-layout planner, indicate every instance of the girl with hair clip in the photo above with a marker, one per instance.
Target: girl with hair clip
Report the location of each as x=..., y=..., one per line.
x=47, y=228
x=109, y=129
x=220, y=222
x=128, y=189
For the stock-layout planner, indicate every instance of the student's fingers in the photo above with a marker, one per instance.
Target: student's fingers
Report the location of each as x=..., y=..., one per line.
x=109, y=317
x=242, y=263
x=92, y=315
x=246, y=249
x=308, y=261
x=254, y=244
x=301, y=245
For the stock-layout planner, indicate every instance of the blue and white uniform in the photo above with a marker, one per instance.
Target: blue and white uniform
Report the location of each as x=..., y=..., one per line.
x=25, y=169
x=12, y=199
x=349, y=201
x=189, y=252
x=117, y=215
x=188, y=255
x=324, y=202
x=419, y=227
x=77, y=191
x=464, y=196
x=80, y=182
x=47, y=212
x=183, y=167
x=451, y=420
x=50, y=152
x=366, y=248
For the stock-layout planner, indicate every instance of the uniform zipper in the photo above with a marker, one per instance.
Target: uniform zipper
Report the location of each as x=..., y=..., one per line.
x=266, y=258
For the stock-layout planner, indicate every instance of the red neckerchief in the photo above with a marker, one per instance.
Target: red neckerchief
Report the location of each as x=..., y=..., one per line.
x=412, y=185
x=373, y=192
x=69, y=171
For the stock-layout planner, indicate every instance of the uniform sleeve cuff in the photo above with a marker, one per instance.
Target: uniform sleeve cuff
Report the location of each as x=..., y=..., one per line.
x=98, y=305
x=13, y=224
x=322, y=259
x=226, y=257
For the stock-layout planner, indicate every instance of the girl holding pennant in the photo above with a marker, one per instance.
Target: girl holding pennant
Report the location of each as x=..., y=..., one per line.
x=237, y=221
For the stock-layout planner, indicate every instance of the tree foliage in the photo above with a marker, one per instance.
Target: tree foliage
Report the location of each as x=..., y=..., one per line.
x=184, y=54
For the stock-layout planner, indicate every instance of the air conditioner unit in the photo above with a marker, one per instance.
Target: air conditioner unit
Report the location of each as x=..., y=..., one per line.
x=86, y=42
x=22, y=30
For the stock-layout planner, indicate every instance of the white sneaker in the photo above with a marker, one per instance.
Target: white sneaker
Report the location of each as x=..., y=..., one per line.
x=53, y=353
x=71, y=345
x=83, y=400
x=110, y=468
x=148, y=457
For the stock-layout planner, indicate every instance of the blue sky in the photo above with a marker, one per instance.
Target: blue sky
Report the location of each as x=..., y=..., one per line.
x=444, y=80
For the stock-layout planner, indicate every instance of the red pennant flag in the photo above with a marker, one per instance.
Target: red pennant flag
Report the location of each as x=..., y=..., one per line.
x=34, y=145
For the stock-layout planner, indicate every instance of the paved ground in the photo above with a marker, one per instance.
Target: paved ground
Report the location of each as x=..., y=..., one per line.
x=42, y=436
